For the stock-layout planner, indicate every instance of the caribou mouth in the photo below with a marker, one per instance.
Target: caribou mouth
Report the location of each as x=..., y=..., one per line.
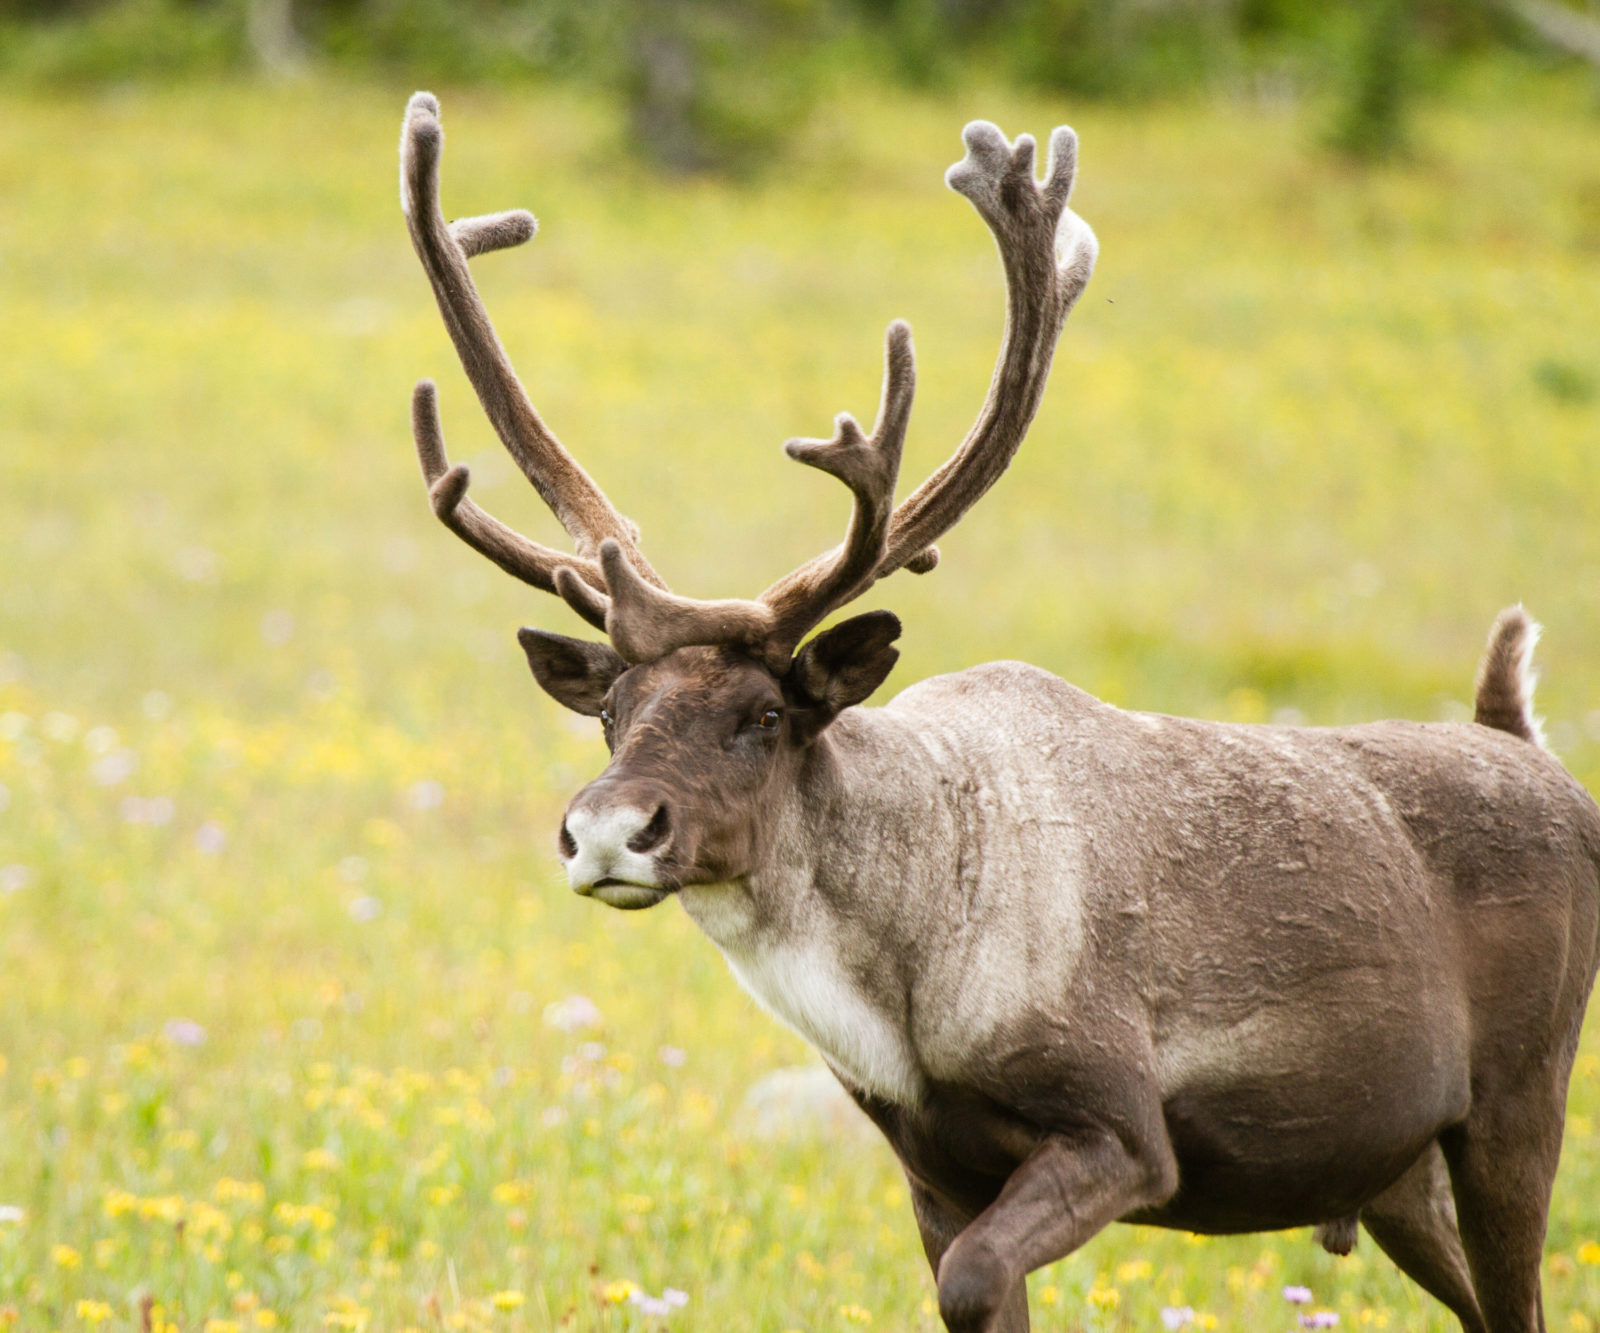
x=625, y=897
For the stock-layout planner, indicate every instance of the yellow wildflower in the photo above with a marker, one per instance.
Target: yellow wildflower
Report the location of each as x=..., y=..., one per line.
x=93, y=1312
x=855, y=1314
x=64, y=1256
x=507, y=1300
x=1134, y=1270
x=617, y=1292
x=347, y=1314
x=1105, y=1298
x=161, y=1208
x=1049, y=1295
x=319, y=1159
x=1589, y=1253
x=265, y=1319
x=118, y=1202
x=229, y=1190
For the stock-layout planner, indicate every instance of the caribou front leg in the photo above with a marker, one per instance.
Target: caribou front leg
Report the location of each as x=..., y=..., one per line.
x=1069, y=1188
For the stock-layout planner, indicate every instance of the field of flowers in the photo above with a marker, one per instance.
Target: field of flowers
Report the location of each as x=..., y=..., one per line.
x=299, y=1027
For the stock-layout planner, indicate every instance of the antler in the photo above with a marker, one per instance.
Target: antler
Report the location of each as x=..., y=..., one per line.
x=1048, y=254
x=562, y=484
x=647, y=623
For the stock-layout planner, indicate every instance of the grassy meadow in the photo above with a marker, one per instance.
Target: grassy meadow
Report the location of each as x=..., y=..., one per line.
x=299, y=1027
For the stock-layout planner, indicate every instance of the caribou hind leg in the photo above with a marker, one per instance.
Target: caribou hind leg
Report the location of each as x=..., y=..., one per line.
x=1414, y=1223
x=1502, y=1167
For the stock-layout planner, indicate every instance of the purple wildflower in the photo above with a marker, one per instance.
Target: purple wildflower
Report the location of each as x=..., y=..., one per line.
x=210, y=838
x=1297, y=1295
x=184, y=1032
x=658, y=1307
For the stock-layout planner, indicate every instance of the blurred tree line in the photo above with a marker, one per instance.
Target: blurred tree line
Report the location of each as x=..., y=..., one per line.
x=717, y=84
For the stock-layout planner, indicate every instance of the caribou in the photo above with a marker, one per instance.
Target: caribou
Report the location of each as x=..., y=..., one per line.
x=1080, y=965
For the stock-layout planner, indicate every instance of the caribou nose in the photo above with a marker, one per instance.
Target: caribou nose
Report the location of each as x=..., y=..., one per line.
x=607, y=843
x=653, y=834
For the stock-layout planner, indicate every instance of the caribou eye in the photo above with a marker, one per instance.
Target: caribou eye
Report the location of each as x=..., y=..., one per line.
x=605, y=717
x=770, y=720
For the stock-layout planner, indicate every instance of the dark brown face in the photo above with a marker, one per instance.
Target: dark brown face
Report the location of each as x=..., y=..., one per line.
x=701, y=742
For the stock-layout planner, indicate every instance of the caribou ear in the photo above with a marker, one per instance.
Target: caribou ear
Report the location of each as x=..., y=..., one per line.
x=842, y=666
x=573, y=672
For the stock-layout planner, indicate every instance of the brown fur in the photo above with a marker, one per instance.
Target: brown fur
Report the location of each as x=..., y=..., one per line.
x=1188, y=974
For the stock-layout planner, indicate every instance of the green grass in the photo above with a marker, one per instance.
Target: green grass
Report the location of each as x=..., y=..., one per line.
x=1308, y=431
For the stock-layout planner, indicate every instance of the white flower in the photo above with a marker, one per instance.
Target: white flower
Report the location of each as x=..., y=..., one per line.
x=425, y=795
x=10, y=1214
x=197, y=564
x=114, y=767
x=100, y=740
x=277, y=628
x=573, y=1014
x=155, y=810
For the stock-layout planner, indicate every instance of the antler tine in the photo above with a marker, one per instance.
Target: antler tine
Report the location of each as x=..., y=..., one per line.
x=869, y=467
x=561, y=482
x=645, y=622
x=1048, y=253
x=447, y=493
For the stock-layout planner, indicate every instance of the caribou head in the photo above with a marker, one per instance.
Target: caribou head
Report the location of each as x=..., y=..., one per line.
x=706, y=704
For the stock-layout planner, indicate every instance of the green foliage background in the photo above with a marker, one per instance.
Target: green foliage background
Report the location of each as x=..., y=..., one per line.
x=272, y=765
x=720, y=84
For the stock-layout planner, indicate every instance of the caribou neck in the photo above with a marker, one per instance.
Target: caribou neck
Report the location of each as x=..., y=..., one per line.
x=823, y=930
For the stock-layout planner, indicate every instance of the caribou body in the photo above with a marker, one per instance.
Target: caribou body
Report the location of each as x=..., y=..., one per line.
x=1079, y=964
